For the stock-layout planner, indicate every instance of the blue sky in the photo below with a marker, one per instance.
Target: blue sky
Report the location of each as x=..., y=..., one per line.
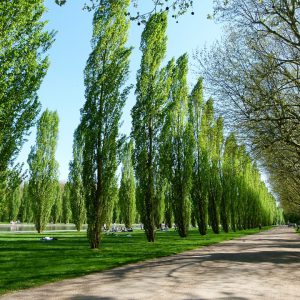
x=63, y=89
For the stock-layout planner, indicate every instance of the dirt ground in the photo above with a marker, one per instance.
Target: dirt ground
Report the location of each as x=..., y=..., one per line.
x=261, y=266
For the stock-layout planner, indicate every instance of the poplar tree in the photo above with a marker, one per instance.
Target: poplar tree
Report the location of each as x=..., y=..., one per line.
x=116, y=211
x=147, y=119
x=112, y=196
x=163, y=211
x=13, y=196
x=200, y=167
x=127, y=187
x=204, y=149
x=56, y=211
x=243, y=185
x=105, y=75
x=229, y=184
x=26, y=205
x=43, y=169
x=13, y=204
x=75, y=182
x=215, y=187
x=180, y=146
x=23, y=46
x=169, y=216
x=66, y=204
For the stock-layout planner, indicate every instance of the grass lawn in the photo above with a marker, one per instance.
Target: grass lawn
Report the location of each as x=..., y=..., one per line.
x=25, y=261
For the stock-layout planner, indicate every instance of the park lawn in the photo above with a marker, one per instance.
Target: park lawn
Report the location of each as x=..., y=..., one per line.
x=25, y=261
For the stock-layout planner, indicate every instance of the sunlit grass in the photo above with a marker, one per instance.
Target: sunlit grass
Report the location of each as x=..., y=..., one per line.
x=25, y=261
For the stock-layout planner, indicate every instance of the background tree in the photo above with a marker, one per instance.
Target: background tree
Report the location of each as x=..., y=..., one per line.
x=66, y=204
x=75, y=182
x=169, y=215
x=26, y=214
x=105, y=74
x=127, y=187
x=215, y=187
x=14, y=203
x=56, y=211
x=113, y=198
x=243, y=181
x=229, y=184
x=180, y=146
x=43, y=169
x=12, y=196
x=200, y=167
x=116, y=211
x=146, y=119
x=23, y=46
x=163, y=210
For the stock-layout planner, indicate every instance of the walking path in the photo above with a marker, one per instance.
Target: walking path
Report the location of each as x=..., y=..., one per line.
x=261, y=266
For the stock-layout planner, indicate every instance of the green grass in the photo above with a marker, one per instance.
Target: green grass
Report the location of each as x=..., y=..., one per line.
x=25, y=261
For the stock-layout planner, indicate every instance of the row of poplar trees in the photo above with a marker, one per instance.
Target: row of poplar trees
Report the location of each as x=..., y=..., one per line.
x=177, y=167
x=183, y=168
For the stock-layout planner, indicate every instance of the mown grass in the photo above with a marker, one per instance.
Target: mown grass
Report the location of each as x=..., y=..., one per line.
x=25, y=261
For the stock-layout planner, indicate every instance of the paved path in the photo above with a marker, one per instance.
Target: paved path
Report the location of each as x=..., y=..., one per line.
x=261, y=266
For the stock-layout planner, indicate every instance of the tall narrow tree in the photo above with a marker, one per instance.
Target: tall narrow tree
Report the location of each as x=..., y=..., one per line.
x=229, y=184
x=127, y=187
x=26, y=206
x=56, y=211
x=75, y=182
x=215, y=187
x=180, y=149
x=200, y=167
x=147, y=117
x=105, y=75
x=66, y=204
x=23, y=46
x=112, y=196
x=13, y=196
x=43, y=169
x=203, y=149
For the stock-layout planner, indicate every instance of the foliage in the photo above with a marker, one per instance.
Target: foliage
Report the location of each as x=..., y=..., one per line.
x=75, y=183
x=146, y=119
x=229, y=184
x=179, y=146
x=112, y=196
x=200, y=168
x=66, y=204
x=23, y=46
x=43, y=169
x=56, y=211
x=105, y=75
x=11, y=196
x=26, y=213
x=127, y=187
x=257, y=83
x=215, y=188
x=177, y=7
x=14, y=203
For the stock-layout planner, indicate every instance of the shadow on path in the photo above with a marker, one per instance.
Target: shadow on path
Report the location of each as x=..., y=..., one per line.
x=262, y=266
